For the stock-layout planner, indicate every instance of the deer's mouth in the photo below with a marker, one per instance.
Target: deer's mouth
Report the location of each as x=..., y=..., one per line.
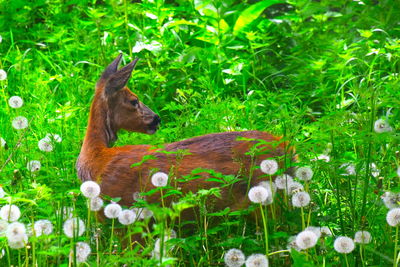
x=153, y=126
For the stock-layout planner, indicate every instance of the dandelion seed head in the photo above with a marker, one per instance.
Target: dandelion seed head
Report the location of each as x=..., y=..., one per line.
x=90, y=189
x=20, y=123
x=3, y=227
x=258, y=194
x=382, y=126
x=234, y=258
x=112, y=210
x=96, y=204
x=159, y=179
x=315, y=230
x=391, y=200
x=3, y=75
x=15, y=232
x=269, y=166
x=323, y=157
x=374, y=170
x=257, y=260
x=306, y=239
x=143, y=213
x=350, y=169
x=325, y=231
x=294, y=187
x=10, y=213
x=53, y=137
x=393, y=217
x=45, y=145
x=282, y=181
x=33, y=165
x=15, y=102
x=271, y=188
x=292, y=243
x=304, y=173
x=166, y=246
x=43, y=227
x=344, y=244
x=73, y=226
x=362, y=237
x=18, y=244
x=82, y=251
x=127, y=217
x=301, y=199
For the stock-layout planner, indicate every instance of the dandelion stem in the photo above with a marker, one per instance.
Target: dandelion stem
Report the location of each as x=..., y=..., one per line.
x=347, y=262
x=279, y=251
x=395, y=247
x=303, y=225
x=112, y=235
x=361, y=255
x=264, y=218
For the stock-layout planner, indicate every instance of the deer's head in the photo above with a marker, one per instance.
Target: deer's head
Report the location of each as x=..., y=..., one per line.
x=123, y=107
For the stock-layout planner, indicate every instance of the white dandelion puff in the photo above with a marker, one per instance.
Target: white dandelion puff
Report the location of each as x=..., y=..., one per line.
x=323, y=157
x=127, y=217
x=3, y=75
x=257, y=260
x=301, y=199
x=306, y=239
x=316, y=230
x=15, y=102
x=50, y=136
x=294, y=187
x=20, y=243
x=325, y=231
x=15, y=232
x=33, y=165
x=258, y=194
x=43, y=227
x=159, y=179
x=2, y=193
x=374, y=170
x=304, y=173
x=3, y=227
x=90, y=189
x=20, y=123
x=82, y=251
x=234, y=258
x=271, y=188
x=2, y=142
x=344, y=244
x=96, y=204
x=269, y=166
x=393, y=217
x=391, y=200
x=45, y=145
x=112, y=210
x=10, y=213
x=350, y=169
x=292, y=243
x=73, y=226
x=143, y=213
x=282, y=181
x=382, y=126
x=362, y=237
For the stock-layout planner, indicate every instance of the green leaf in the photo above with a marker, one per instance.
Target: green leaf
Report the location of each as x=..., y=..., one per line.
x=251, y=13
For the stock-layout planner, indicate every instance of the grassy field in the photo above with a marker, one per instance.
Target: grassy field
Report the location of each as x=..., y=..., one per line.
x=324, y=75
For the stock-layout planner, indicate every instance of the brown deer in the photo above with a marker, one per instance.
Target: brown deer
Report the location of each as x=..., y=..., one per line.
x=115, y=107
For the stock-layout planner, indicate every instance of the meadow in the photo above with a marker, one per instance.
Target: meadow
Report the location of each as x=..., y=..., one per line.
x=323, y=75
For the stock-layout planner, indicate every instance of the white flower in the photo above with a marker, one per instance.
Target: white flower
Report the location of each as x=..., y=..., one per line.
x=391, y=200
x=127, y=217
x=96, y=204
x=269, y=166
x=157, y=247
x=159, y=179
x=143, y=213
x=344, y=244
x=294, y=187
x=282, y=181
x=271, y=188
x=323, y=157
x=393, y=217
x=82, y=251
x=362, y=237
x=20, y=243
x=292, y=243
x=73, y=226
x=3, y=227
x=20, y=122
x=90, y=189
x=374, y=170
x=301, y=199
x=112, y=210
x=2, y=142
x=304, y=173
x=45, y=145
x=15, y=102
x=315, y=230
x=257, y=260
x=2, y=193
x=15, y=232
x=3, y=75
x=33, y=165
x=306, y=239
x=258, y=194
x=43, y=227
x=349, y=168
x=381, y=126
x=10, y=213
x=398, y=171
x=234, y=258
x=55, y=137
x=325, y=231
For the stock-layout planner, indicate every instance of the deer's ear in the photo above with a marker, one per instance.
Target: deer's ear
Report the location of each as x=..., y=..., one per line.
x=119, y=79
x=112, y=68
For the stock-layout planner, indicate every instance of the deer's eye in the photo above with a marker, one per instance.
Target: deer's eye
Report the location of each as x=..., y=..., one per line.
x=134, y=102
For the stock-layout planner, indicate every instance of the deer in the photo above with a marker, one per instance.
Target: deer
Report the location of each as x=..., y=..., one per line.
x=115, y=107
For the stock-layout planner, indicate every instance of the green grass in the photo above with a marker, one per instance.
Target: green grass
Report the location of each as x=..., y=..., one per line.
x=317, y=73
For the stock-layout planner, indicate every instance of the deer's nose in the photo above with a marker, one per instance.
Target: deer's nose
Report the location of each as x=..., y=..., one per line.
x=156, y=120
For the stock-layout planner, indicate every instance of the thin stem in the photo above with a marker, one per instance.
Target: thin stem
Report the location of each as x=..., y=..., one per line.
x=303, y=224
x=347, y=262
x=112, y=235
x=395, y=247
x=264, y=218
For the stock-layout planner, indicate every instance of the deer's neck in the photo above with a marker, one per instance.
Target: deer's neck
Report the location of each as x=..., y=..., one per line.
x=100, y=135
